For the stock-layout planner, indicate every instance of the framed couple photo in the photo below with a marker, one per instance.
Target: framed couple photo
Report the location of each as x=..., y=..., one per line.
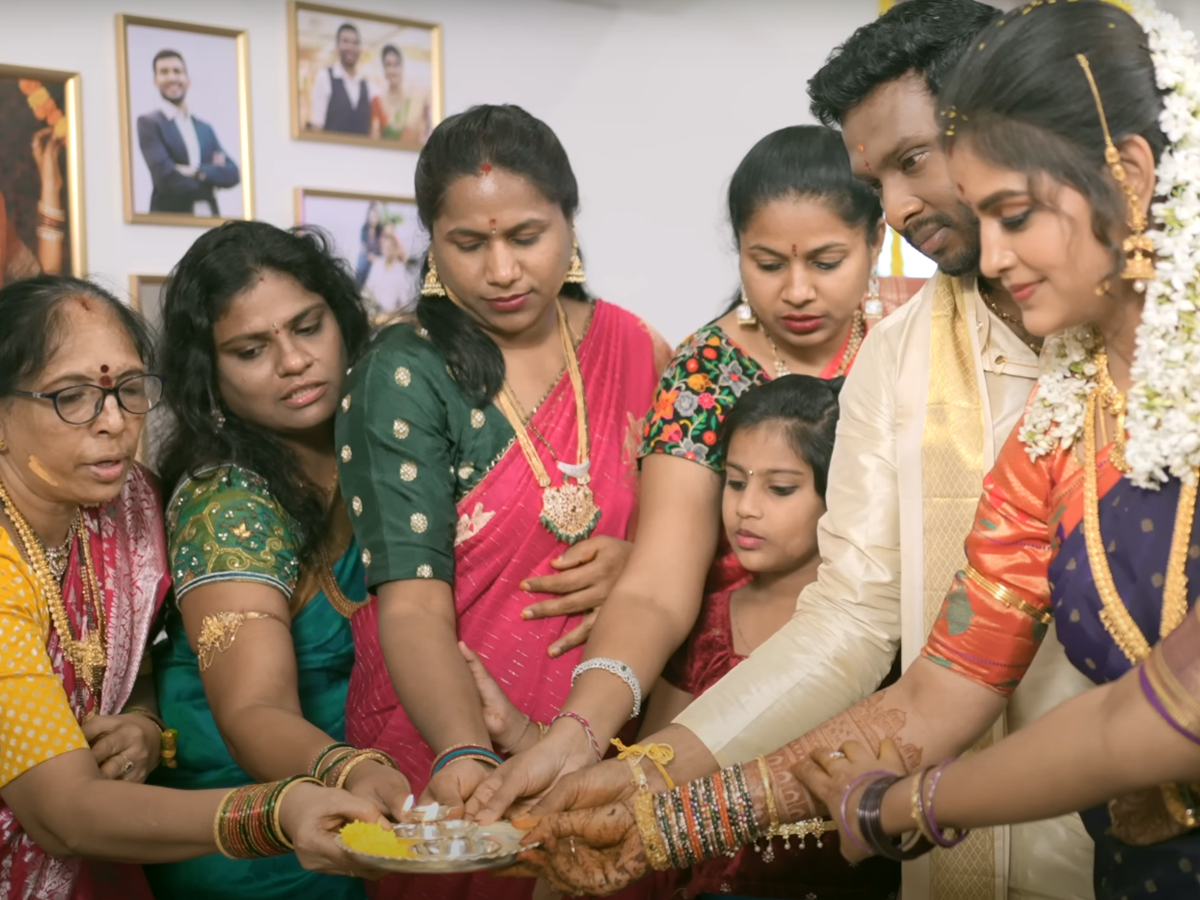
x=41, y=179
x=185, y=122
x=363, y=78
x=379, y=237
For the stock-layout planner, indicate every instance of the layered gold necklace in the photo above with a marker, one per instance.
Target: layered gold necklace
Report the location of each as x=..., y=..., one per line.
x=89, y=654
x=569, y=510
x=858, y=331
x=1114, y=615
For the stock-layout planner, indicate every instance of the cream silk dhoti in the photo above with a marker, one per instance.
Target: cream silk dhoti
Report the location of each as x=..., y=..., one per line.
x=936, y=389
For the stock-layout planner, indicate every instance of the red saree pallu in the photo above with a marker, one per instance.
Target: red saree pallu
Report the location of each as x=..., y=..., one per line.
x=128, y=546
x=500, y=543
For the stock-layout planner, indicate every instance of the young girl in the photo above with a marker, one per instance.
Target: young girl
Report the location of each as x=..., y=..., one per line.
x=777, y=439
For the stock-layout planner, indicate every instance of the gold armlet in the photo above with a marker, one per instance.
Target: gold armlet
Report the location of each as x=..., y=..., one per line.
x=218, y=631
x=1007, y=597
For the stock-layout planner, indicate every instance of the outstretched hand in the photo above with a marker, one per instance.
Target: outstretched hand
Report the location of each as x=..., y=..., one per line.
x=828, y=773
x=508, y=727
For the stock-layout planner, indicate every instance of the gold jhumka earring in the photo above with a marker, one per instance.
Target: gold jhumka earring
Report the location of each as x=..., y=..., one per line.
x=575, y=274
x=1138, y=247
x=745, y=312
x=433, y=286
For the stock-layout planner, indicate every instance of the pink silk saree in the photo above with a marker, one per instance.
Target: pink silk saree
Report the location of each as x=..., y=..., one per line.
x=129, y=551
x=500, y=543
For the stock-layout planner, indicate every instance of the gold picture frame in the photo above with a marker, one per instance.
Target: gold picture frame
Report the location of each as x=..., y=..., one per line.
x=345, y=216
x=311, y=50
x=145, y=296
x=28, y=108
x=157, y=185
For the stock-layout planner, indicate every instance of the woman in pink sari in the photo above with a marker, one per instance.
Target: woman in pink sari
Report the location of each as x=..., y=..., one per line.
x=83, y=572
x=488, y=454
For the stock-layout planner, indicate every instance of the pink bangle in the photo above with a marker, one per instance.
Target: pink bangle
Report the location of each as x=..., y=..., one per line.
x=586, y=728
x=878, y=773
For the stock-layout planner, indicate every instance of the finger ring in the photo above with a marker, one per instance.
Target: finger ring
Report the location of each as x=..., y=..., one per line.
x=128, y=765
x=572, y=843
x=837, y=754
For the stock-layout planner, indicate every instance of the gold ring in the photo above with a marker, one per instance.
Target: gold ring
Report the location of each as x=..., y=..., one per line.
x=128, y=765
x=836, y=754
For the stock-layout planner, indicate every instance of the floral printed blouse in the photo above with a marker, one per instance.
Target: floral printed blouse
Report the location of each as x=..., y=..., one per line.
x=707, y=375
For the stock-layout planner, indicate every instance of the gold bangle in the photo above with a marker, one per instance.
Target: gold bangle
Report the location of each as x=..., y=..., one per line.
x=656, y=851
x=217, y=823
x=639, y=777
x=279, y=833
x=772, y=810
x=360, y=757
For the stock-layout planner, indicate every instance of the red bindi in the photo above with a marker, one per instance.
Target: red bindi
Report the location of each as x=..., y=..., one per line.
x=103, y=369
x=485, y=168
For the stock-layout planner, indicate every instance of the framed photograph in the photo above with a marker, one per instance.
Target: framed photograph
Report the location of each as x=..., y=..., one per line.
x=41, y=179
x=185, y=122
x=146, y=296
x=379, y=237
x=363, y=78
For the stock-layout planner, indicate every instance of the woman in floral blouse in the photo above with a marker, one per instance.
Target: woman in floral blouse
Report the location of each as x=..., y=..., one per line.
x=807, y=235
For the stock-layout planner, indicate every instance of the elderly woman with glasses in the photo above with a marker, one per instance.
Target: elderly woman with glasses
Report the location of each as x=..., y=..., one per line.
x=83, y=571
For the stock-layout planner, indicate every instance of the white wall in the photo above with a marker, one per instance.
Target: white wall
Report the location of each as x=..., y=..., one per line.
x=655, y=100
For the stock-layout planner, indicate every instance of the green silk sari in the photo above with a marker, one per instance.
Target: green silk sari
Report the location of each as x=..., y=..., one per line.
x=223, y=525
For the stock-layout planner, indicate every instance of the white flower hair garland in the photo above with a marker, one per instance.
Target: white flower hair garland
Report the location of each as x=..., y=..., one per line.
x=1164, y=402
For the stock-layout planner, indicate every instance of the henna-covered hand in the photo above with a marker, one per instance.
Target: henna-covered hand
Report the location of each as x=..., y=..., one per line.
x=870, y=723
x=593, y=852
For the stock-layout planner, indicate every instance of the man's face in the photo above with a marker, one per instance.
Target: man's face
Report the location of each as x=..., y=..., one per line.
x=892, y=139
x=349, y=48
x=171, y=79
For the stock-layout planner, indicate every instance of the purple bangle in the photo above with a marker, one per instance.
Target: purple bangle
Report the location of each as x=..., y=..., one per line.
x=939, y=836
x=1151, y=696
x=587, y=728
x=878, y=773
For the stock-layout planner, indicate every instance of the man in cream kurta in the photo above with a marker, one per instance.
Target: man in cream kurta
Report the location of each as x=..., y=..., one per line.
x=934, y=393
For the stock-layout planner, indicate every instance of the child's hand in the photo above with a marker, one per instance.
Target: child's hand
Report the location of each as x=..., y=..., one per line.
x=506, y=724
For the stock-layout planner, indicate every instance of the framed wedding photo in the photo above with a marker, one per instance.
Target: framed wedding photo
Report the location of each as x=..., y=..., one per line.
x=185, y=122
x=379, y=237
x=41, y=179
x=363, y=78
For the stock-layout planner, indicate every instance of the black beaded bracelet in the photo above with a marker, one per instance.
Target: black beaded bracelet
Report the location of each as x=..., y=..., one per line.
x=870, y=825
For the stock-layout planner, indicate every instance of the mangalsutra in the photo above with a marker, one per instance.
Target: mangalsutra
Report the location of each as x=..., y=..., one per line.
x=57, y=558
x=89, y=654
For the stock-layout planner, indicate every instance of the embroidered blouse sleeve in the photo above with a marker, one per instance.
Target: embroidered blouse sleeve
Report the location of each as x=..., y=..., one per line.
x=698, y=388
x=37, y=722
x=224, y=525
x=396, y=462
x=997, y=610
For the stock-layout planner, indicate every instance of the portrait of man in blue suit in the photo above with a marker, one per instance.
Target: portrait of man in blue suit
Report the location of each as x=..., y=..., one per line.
x=186, y=161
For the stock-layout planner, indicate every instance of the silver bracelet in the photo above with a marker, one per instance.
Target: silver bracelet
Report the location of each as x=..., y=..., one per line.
x=618, y=668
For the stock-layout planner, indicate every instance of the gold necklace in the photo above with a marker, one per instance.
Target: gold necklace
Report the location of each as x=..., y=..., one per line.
x=1114, y=401
x=1016, y=326
x=58, y=557
x=1115, y=615
x=858, y=331
x=89, y=656
x=569, y=511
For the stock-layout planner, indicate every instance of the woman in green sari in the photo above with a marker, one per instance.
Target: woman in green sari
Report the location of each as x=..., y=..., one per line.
x=260, y=326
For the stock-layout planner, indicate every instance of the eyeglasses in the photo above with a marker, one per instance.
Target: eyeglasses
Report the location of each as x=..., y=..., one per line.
x=80, y=404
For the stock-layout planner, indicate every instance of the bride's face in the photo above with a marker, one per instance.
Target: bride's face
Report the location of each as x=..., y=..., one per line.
x=1037, y=240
